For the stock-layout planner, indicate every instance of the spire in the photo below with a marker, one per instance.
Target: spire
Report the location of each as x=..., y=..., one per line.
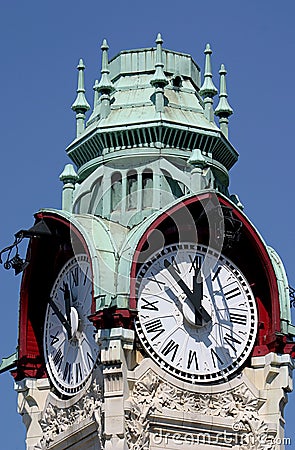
x=80, y=105
x=105, y=86
x=223, y=109
x=159, y=80
x=208, y=89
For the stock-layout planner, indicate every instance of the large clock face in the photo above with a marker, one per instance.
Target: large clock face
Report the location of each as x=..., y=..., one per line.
x=197, y=315
x=69, y=346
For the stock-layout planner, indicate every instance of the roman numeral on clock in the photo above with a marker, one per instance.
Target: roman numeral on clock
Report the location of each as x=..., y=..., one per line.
x=54, y=339
x=153, y=278
x=75, y=276
x=78, y=372
x=230, y=340
x=232, y=293
x=215, y=357
x=192, y=359
x=67, y=372
x=174, y=264
x=171, y=347
x=238, y=318
x=154, y=326
x=90, y=361
x=57, y=359
x=150, y=305
x=85, y=276
x=196, y=262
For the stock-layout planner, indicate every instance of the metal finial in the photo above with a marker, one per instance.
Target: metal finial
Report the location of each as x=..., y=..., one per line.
x=159, y=39
x=105, y=86
x=208, y=89
x=159, y=79
x=80, y=105
x=104, y=45
x=223, y=109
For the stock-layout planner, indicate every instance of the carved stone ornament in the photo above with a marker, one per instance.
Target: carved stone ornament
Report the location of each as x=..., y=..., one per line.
x=56, y=421
x=152, y=395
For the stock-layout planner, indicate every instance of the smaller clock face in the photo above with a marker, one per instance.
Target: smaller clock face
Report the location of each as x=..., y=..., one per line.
x=69, y=346
x=197, y=315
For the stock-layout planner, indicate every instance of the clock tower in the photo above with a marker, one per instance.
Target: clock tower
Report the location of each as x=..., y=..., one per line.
x=152, y=313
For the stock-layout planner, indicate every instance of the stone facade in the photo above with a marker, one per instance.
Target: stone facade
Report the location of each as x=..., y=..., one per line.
x=144, y=408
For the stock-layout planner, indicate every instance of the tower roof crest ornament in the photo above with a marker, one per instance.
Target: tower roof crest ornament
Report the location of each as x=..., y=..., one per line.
x=159, y=79
x=208, y=88
x=105, y=85
x=223, y=109
x=80, y=105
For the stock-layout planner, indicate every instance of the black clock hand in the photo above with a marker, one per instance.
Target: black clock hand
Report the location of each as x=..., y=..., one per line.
x=198, y=294
x=60, y=316
x=67, y=299
x=184, y=287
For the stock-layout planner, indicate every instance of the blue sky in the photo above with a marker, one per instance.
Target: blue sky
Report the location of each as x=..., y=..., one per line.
x=41, y=43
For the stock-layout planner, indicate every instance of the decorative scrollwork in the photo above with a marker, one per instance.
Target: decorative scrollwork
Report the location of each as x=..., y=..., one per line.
x=151, y=394
x=56, y=420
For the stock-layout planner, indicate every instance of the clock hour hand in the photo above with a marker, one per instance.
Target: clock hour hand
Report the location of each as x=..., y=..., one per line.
x=184, y=287
x=60, y=316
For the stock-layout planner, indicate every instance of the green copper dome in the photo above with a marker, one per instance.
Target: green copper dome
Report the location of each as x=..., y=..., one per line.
x=152, y=101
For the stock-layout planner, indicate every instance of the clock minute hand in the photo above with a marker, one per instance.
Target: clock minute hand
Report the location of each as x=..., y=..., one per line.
x=198, y=294
x=67, y=299
x=184, y=287
x=60, y=316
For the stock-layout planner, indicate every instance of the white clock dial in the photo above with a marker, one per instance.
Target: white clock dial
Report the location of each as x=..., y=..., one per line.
x=69, y=346
x=197, y=314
